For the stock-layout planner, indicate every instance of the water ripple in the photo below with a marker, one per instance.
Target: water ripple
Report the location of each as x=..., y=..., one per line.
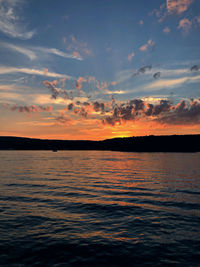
x=99, y=208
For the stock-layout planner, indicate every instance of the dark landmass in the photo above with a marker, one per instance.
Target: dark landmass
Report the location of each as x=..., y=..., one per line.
x=172, y=143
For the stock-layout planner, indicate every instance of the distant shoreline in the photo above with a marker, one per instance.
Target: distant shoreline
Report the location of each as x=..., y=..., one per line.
x=163, y=143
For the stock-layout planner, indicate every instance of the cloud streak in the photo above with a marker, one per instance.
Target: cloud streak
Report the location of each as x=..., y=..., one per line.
x=10, y=70
x=38, y=52
x=171, y=83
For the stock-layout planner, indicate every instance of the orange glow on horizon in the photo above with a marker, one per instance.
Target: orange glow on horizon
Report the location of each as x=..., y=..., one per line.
x=95, y=130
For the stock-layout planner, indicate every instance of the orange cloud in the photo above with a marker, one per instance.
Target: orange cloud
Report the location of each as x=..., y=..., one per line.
x=79, y=82
x=113, y=83
x=76, y=54
x=62, y=81
x=101, y=85
x=178, y=6
x=150, y=44
x=166, y=30
x=77, y=47
x=143, y=47
x=185, y=25
x=131, y=56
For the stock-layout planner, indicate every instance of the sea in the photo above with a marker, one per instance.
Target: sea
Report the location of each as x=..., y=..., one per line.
x=99, y=208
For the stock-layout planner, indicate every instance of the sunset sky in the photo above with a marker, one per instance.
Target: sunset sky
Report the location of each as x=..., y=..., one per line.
x=97, y=69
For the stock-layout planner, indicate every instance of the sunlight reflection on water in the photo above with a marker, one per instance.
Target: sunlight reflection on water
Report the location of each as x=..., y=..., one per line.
x=94, y=208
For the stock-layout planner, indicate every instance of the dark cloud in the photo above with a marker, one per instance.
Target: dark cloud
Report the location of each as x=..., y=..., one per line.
x=86, y=104
x=163, y=106
x=81, y=111
x=126, y=111
x=194, y=68
x=70, y=106
x=98, y=106
x=143, y=70
x=183, y=114
x=28, y=109
x=55, y=92
x=52, y=87
x=157, y=75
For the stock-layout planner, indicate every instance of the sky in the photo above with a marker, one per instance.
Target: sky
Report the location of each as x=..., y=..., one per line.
x=92, y=70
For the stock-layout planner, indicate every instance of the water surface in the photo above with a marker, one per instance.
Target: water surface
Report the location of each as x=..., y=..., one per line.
x=99, y=208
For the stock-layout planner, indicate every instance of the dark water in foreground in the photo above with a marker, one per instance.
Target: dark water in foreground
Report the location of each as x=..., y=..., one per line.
x=99, y=208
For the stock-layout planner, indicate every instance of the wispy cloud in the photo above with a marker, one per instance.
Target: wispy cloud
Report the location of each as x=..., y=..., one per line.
x=9, y=70
x=171, y=83
x=57, y=52
x=27, y=52
x=10, y=22
x=38, y=52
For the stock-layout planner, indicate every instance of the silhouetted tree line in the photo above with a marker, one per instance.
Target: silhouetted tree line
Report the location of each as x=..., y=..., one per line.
x=172, y=143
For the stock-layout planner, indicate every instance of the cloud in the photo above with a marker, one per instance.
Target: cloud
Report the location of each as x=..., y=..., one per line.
x=157, y=75
x=10, y=20
x=125, y=112
x=57, y=52
x=194, y=68
x=160, y=13
x=8, y=70
x=185, y=25
x=64, y=120
x=143, y=47
x=52, y=86
x=101, y=85
x=166, y=30
x=197, y=20
x=184, y=113
x=113, y=83
x=141, y=22
x=98, y=107
x=37, y=52
x=130, y=56
x=178, y=6
x=28, y=109
x=77, y=47
x=149, y=45
x=27, y=52
x=143, y=70
x=70, y=106
x=171, y=83
x=79, y=82
x=57, y=92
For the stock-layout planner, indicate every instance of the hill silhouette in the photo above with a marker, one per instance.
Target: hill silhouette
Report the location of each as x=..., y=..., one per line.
x=171, y=143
